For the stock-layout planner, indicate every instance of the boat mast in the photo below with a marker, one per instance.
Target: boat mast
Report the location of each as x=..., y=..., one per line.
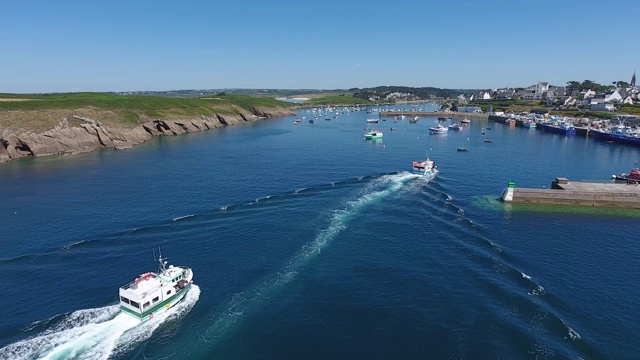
x=162, y=262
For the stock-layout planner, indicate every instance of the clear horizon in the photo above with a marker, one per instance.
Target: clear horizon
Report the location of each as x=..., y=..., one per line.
x=120, y=46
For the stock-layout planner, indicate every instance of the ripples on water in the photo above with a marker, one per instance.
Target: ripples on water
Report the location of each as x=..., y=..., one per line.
x=323, y=261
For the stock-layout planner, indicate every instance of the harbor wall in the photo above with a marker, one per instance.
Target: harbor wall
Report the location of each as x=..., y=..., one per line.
x=453, y=115
x=619, y=199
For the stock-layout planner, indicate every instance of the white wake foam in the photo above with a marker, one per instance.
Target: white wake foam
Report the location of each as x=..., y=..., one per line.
x=246, y=301
x=94, y=333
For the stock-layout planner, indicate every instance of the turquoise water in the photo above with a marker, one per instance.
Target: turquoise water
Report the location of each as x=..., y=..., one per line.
x=309, y=242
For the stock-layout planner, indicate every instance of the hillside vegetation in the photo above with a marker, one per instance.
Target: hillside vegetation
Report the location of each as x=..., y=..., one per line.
x=339, y=99
x=42, y=111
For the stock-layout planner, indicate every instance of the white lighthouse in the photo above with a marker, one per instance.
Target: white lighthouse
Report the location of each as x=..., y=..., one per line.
x=507, y=194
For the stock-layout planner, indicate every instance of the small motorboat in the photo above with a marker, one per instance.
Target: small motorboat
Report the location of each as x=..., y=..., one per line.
x=372, y=135
x=439, y=129
x=463, y=149
x=632, y=176
x=488, y=140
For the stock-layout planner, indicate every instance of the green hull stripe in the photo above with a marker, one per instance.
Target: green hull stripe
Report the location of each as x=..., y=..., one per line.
x=156, y=307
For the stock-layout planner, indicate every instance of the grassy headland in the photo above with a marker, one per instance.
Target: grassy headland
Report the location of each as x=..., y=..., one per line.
x=338, y=99
x=38, y=112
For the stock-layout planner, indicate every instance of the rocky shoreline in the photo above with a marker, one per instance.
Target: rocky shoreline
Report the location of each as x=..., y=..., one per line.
x=91, y=134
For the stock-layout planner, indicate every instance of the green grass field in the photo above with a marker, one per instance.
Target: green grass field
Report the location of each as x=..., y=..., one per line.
x=341, y=99
x=39, y=112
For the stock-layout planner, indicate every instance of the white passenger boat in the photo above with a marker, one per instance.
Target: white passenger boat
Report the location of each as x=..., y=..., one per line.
x=425, y=167
x=154, y=292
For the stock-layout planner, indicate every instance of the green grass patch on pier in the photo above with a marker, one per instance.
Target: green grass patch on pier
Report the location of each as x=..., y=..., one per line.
x=488, y=202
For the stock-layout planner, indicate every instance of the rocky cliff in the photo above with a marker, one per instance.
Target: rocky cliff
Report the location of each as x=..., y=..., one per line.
x=91, y=134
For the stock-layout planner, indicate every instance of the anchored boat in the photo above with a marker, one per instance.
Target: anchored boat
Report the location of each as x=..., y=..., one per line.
x=154, y=292
x=632, y=176
x=438, y=129
x=375, y=134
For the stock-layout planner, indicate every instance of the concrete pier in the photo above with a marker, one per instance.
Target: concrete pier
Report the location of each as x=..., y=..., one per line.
x=453, y=115
x=565, y=192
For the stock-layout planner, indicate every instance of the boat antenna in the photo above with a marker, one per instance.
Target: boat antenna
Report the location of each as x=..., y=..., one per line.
x=162, y=262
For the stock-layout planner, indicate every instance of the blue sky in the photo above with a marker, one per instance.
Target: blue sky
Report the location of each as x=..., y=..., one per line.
x=64, y=45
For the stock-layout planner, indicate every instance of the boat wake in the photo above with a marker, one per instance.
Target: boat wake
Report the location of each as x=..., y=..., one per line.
x=241, y=304
x=93, y=333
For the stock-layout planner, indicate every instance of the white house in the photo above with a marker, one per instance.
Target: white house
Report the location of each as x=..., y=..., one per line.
x=613, y=97
x=587, y=94
x=603, y=106
x=628, y=100
x=541, y=87
x=483, y=95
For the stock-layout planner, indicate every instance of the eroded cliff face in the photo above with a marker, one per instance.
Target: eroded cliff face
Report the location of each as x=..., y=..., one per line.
x=91, y=134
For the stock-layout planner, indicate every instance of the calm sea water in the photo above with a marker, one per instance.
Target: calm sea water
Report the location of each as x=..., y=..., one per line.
x=309, y=242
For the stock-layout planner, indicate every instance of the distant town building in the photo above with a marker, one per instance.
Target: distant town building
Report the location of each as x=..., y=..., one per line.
x=469, y=109
x=603, y=106
x=613, y=96
x=505, y=94
x=586, y=94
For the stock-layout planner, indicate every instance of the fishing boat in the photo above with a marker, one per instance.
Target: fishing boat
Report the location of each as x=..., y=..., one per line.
x=559, y=127
x=632, y=176
x=455, y=127
x=511, y=122
x=424, y=168
x=438, y=129
x=154, y=292
x=620, y=133
x=372, y=135
x=529, y=124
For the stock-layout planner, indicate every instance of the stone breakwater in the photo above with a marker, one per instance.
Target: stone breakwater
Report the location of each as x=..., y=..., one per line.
x=91, y=134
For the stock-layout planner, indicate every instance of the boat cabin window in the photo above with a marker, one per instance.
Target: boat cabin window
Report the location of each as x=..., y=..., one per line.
x=155, y=299
x=145, y=306
x=168, y=292
x=124, y=299
x=135, y=304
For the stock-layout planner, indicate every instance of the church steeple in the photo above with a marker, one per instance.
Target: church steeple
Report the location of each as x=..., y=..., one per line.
x=633, y=80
